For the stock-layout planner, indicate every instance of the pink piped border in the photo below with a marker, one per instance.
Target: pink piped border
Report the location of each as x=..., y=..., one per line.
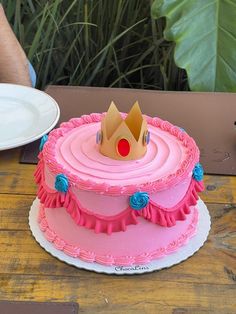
x=109, y=260
x=103, y=188
x=153, y=212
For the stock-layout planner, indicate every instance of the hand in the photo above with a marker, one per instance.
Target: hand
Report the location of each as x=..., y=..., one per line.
x=13, y=61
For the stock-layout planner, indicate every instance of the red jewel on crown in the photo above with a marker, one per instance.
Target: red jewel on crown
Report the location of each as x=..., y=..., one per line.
x=123, y=147
x=123, y=139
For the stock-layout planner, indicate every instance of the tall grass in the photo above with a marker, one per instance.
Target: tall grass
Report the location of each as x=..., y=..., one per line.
x=95, y=42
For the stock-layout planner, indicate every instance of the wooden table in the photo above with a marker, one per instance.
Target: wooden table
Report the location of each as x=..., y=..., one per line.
x=205, y=283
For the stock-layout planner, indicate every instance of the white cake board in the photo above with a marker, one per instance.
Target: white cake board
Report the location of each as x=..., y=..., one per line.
x=182, y=254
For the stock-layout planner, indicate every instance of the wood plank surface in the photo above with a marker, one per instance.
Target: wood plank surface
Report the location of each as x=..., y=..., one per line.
x=205, y=283
x=136, y=294
x=15, y=178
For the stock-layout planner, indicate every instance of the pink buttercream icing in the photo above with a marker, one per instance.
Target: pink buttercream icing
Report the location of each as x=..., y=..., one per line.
x=116, y=221
x=72, y=150
x=100, y=188
x=79, y=154
x=101, y=204
x=143, y=243
x=98, y=196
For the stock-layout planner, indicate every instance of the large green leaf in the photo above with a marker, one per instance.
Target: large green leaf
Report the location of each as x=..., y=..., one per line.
x=205, y=35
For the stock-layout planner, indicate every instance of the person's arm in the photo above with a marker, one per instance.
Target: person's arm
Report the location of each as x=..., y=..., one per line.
x=13, y=62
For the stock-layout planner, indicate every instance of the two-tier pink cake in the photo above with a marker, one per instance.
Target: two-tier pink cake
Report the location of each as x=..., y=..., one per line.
x=118, y=189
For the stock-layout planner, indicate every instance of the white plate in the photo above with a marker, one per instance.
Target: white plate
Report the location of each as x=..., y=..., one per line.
x=26, y=114
x=193, y=245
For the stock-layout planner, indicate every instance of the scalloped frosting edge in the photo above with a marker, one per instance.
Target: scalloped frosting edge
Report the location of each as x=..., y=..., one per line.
x=109, y=260
x=154, y=213
x=186, y=166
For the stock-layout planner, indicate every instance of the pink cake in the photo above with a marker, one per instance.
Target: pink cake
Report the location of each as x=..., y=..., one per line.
x=118, y=212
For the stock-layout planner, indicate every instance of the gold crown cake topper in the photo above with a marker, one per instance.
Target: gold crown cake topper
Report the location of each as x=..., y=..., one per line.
x=123, y=139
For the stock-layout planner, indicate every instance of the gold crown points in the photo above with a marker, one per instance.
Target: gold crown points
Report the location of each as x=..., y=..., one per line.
x=123, y=139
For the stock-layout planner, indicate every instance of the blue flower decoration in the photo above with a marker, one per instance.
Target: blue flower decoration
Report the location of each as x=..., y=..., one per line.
x=42, y=142
x=139, y=200
x=183, y=130
x=61, y=183
x=198, y=172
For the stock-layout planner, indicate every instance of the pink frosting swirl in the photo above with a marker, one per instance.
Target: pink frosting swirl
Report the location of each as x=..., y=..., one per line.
x=72, y=150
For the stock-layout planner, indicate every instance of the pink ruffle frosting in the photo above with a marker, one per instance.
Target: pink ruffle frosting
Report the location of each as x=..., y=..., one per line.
x=77, y=251
x=153, y=212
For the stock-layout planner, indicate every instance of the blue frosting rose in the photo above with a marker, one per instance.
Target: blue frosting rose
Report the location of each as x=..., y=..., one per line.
x=42, y=142
x=182, y=129
x=139, y=200
x=61, y=183
x=198, y=172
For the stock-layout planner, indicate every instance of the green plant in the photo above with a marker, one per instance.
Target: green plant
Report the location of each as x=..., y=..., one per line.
x=95, y=42
x=205, y=35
